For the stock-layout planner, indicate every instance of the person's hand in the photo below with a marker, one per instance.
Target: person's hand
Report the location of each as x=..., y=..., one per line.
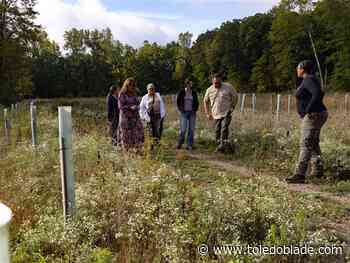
x=311, y=115
x=210, y=117
x=133, y=107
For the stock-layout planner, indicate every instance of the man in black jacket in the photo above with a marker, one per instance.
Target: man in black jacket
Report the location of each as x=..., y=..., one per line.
x=314, y=114
x=187, y=104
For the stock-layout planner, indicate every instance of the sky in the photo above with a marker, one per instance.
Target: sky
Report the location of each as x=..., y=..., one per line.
x=134, y=21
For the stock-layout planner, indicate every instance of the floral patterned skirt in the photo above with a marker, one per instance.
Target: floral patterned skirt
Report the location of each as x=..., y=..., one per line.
x=131, y=132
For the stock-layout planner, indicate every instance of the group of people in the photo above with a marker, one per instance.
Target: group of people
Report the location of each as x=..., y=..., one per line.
x=127, y=116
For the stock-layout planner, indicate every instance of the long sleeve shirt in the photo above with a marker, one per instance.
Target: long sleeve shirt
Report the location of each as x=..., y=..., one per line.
x=180, y=100
x=221, y=100
x=310, y=96
x=145, y=107
x=112, y=108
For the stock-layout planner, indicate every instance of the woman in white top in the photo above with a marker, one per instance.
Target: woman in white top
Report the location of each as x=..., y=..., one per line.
x=152, y=111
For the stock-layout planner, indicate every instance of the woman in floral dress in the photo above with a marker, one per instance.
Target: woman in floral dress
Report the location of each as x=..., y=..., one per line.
x=130, y=125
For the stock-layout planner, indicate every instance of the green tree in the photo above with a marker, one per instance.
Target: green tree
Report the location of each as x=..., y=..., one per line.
x=183, y=58
x=154, y=64
x=17, y=32
x=263, y=72
x=332, y=26
x=200, y=64
x=47, y=68
x=290, y=44
x=259, y=53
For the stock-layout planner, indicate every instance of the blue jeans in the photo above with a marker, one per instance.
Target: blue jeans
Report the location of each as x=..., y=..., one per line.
x=187, y=123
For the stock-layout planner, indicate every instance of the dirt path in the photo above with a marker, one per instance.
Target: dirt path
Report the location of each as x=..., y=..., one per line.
x=247, y=172
x=342, y=227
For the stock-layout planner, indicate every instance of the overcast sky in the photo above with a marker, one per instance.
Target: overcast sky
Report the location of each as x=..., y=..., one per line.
x=133, y=21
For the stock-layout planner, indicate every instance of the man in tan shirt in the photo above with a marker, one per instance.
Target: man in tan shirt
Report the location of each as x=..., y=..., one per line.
x=219, y=101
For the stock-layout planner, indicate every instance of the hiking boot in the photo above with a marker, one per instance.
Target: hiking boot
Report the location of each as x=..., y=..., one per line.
x=296, y=179
x=220, y=148
x=178, y=146
x=189, y=148
x=318, y=174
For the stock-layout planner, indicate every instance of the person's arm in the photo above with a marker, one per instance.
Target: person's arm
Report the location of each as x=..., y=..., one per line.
x=136, y=106
x=117, y=106
x=162, y=106
x=178, y=101
x=316, y=94
x=110, y=109
x=206, y=102
x=122, y=103
x=234, y=95
x=195, y=101
x=143, y=109
x=299, y=91
x=298, y=96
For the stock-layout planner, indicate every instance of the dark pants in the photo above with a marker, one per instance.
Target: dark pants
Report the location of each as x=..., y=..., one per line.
x=161, y=126
x=114, y=131
x=310, y=150
x=155, y=126
x=222, y=128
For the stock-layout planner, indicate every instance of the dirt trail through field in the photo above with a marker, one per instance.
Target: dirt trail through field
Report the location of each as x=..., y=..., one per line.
x=341, y=227
x=246, y=172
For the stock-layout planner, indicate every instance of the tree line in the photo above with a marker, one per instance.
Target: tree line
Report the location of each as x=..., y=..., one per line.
x=258, y=53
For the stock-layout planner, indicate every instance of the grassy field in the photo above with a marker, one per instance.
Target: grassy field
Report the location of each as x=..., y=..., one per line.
x=159, y=207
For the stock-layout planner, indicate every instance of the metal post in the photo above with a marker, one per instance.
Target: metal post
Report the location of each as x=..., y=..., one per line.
x=289, y=103
x=7, y=126
x=17, y=107
x=278, y=106
x=243, y=102
x=254, y=102
x=272, y=103
x=66, y=159
x=5, y=218
x=33, y=125
x=239, y=100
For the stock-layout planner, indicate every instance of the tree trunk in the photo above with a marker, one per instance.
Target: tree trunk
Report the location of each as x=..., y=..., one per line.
x=2, y=33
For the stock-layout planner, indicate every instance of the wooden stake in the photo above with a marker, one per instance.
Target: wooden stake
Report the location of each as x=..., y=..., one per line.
x=272, y=103
x=289, y=103
x=239, y=100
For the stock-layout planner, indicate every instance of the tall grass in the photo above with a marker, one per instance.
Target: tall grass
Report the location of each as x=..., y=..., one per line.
x=159, y=207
